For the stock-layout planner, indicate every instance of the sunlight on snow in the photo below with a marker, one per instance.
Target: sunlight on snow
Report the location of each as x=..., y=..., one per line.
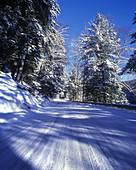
x=76, y=116
x=131, y=120
x=3, y=121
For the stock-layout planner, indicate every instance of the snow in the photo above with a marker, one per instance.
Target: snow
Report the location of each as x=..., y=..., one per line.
x=62, y=135
x=14, y=100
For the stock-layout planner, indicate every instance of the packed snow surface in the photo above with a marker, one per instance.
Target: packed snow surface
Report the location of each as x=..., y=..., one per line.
x=62, y=135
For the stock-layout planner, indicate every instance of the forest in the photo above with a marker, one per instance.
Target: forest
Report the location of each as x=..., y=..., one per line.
x=33, y=50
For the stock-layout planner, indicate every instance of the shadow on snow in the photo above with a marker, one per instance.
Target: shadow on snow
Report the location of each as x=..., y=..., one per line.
x=26, y=139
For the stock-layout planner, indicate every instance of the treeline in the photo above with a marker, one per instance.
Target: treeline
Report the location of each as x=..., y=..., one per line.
x=32, y=48
x=32, y=44
x=98, y=53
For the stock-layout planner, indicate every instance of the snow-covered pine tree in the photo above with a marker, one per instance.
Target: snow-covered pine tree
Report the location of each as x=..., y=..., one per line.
x=24, y=30
x=100, y=45
x=74, y=86
x=125, y=46
x=51, y=75
x=59, y=59
x=130, y=66
x=43, y=14
x=86, y=63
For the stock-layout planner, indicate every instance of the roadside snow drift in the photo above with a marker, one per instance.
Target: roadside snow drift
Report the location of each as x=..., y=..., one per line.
x=15, y=102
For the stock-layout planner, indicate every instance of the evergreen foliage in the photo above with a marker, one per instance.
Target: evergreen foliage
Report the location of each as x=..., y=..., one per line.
x=28, y=38
x=131, y=64
x=100, y=82
x=53, y=64
x=32, y=48
x=74, y=84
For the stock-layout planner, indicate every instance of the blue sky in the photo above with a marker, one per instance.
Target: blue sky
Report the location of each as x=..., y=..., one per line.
x=77, y=13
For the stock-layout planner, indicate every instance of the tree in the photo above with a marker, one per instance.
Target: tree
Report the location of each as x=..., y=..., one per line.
x=74, y=85
x=131, y=64
x=100, y=46
x=27, y=21
x=27, y=34
x=8, y=29
x=42, y=14
x=51, y=75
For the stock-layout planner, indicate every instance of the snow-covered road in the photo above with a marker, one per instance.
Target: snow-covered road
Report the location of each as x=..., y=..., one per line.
x=70, y=136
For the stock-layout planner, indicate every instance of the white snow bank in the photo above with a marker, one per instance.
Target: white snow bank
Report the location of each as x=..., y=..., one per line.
x=59, y=100
x=14, y=101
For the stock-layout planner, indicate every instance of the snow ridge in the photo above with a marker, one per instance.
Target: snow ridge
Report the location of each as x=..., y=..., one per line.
x=14, y=100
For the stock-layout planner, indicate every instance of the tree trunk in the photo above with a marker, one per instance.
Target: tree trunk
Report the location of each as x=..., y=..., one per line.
x=4, y=64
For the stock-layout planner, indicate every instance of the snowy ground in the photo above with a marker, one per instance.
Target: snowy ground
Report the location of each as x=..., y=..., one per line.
x=63, y=135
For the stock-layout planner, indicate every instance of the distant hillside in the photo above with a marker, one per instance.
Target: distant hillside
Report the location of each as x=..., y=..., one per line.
x=129, y=87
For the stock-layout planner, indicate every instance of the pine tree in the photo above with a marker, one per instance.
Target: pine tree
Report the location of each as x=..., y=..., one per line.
x=86, y=64
x=51, y=76
x=8, y=29
x=100, y=45
x=131, y=64
x=42, y=13
x=74, y=86
x=24, y=35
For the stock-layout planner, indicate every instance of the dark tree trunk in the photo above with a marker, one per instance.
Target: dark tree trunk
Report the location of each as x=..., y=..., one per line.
x=4, y=64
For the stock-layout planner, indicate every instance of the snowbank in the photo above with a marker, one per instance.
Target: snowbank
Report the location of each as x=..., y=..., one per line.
x=14, y=101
